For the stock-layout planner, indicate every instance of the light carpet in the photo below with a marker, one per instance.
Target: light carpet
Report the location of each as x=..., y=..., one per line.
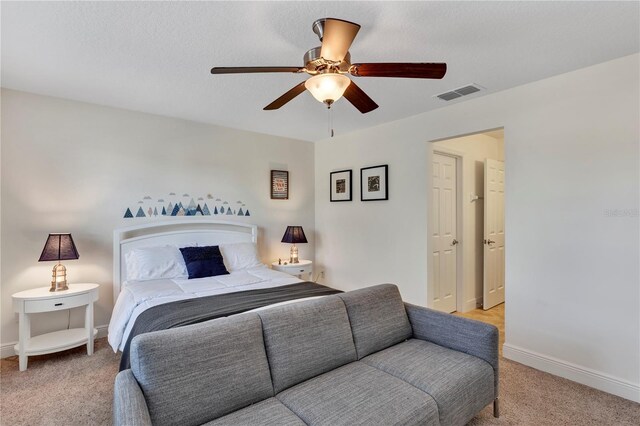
x=70, y=388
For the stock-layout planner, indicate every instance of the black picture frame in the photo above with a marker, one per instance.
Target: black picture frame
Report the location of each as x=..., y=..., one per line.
x=347, y=185
x=279, y=185
x=368, y=182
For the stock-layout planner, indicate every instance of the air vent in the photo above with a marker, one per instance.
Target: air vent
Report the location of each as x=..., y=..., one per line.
x=449, y=96
x=467, y=90
x=462, y=91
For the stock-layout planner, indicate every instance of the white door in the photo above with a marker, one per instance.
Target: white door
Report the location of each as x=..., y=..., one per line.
x=493, y=288
x=443, y=237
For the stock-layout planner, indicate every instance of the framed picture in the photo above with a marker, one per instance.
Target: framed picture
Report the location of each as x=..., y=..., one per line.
x=340, y=186
x=374, y=183
x=279, y=185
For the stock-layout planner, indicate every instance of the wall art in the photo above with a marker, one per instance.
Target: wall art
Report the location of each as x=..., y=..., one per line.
x=279, y=185
x=341, y=187
x=187, y=205
x=374, y=183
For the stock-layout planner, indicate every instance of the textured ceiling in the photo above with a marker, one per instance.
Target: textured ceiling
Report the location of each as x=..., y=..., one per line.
x=156, y=56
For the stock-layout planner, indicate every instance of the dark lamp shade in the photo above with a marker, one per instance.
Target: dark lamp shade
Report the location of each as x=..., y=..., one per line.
x=294, y=235
x=59, y=247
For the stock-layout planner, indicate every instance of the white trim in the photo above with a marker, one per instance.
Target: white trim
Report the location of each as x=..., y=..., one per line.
x=203, y=230
x=462, y=135
x=6, y=349
x=471, y=304
x=103, y=330
x=576, y=373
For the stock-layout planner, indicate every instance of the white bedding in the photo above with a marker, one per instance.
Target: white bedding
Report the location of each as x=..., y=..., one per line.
x=138, y=296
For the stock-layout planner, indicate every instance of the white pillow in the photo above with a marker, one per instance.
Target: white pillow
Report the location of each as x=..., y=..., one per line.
x=153, y=263
x=240, y=256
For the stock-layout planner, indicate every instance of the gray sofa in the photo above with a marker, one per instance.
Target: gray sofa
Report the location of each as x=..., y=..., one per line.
x=361, y=357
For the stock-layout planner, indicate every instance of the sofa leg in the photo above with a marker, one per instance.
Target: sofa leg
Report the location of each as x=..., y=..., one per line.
x=496, y=408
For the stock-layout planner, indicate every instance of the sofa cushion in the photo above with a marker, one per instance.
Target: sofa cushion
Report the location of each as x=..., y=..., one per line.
x=305, y=339
x=357, y=394
x=197, y=373
x=461, y=384
x=268, y=412
x=378, y=318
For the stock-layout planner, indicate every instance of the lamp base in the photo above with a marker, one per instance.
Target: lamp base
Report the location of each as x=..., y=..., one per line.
x=294, y=254
x=59, y=278
x=59, y=286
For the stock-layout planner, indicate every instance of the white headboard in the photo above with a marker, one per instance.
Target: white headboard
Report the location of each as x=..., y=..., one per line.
x=179, y=232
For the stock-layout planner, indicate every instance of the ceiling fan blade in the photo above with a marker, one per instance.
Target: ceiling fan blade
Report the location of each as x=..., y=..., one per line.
x=399, y=69
x=337, y=38
x=359, y=99
x=242, y=70
x=286, y=97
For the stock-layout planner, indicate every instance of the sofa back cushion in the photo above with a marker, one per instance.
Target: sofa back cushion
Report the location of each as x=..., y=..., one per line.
x=378, y=318
x=305, y=339
x=194, y=374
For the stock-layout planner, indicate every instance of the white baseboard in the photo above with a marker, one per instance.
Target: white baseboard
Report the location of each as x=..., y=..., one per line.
x=6, y=349
x=471, y=305
x=102, y=331
x=576, y=373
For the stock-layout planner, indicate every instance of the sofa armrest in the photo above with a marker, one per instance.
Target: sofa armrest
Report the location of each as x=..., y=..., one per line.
x=129, y=405
x=461, y=334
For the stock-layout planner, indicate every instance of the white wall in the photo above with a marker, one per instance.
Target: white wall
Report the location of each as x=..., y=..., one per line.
x=474, y=149
x=75, y=167
x=572, y=226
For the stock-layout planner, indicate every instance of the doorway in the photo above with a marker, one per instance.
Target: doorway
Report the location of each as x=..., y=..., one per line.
x=466, y=226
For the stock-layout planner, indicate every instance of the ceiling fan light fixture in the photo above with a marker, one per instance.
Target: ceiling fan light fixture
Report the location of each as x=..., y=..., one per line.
x=331, y=70
x=327, y=88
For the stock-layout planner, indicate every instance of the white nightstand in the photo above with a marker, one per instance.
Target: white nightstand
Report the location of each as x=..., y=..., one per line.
x=41, y=299
x=302, y=270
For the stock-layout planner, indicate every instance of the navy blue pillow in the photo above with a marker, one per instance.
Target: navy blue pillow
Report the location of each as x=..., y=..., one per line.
x=203, y=261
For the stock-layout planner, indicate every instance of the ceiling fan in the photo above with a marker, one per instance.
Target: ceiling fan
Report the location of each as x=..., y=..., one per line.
x=328, y=64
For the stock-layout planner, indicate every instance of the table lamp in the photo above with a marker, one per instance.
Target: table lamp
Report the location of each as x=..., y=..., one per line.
x=294, y=235
x=59, y=247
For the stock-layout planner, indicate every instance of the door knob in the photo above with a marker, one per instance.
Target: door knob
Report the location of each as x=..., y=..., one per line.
x=454, y=242
x=489, y=242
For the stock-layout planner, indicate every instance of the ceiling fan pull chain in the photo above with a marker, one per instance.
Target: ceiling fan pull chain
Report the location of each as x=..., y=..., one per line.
x=330, y=127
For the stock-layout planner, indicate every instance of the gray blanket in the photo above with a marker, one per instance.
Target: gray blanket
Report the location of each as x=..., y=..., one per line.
x=193, y=311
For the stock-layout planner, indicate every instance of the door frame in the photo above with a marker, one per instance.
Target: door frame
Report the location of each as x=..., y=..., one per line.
x=459, y=274
x=459, y=157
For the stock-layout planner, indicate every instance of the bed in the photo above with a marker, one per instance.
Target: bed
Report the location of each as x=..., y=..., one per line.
x=143, y=305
